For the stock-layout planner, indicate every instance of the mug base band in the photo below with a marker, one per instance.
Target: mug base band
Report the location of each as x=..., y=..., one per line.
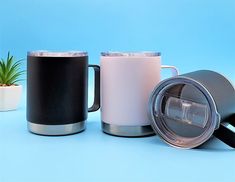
x=56, y=130
x=127, y=131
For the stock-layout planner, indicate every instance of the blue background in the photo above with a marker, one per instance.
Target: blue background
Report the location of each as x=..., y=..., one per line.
x=191, y=35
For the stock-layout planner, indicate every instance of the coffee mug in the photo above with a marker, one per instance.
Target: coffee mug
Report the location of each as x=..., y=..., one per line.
x=188, y=109
x=57, y=92
x=127, y=80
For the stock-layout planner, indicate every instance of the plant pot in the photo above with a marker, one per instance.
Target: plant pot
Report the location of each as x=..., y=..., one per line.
x=10, y=97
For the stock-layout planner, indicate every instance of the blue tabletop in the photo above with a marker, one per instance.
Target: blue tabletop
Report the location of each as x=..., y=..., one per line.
x=95, y=156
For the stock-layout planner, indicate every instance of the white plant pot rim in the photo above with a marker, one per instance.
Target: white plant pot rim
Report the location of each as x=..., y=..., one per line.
x=10, y=86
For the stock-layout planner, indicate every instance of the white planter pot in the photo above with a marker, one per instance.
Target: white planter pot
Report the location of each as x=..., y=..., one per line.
x=10, y=97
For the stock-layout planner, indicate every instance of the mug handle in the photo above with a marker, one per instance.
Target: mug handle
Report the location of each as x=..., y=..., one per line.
x=174, y=70
x=96, y=104
x=224, y=133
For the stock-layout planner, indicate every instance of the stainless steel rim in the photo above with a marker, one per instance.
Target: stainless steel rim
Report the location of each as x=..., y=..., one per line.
x=55, y=130
x=127, y=131
x=131, y=54
x=155, y=122
x=44, y=53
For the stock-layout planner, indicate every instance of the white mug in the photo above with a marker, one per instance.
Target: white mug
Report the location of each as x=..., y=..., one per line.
x=127, y=80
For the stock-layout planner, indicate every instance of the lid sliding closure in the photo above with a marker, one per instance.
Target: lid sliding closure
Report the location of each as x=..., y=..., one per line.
x=186, y=111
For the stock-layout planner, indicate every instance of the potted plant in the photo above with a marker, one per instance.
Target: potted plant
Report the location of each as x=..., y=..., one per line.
x=10, y=90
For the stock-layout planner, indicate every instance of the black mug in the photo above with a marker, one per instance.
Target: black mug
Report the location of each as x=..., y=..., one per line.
x=57, y=92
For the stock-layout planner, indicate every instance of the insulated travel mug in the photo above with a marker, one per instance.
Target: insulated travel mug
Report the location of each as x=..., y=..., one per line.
x=188, y=109
x=57, y=92
x=127, y=80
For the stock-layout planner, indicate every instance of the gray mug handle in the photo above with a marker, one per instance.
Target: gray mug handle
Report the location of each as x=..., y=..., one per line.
x=96, y=104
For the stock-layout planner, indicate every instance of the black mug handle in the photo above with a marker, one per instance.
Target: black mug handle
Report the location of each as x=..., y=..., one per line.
x=96, y=104
x=224, y=133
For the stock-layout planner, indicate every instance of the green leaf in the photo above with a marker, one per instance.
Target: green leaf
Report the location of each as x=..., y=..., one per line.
x=18, y=80
x=10, y=70
x=12, y=79
x=9, y=63
x=13, y=69
x=3, y=66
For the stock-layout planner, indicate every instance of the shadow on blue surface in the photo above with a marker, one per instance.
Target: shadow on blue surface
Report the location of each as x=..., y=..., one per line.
x=107, y=158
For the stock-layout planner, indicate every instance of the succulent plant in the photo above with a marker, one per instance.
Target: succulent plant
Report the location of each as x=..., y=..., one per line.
x=10, y=71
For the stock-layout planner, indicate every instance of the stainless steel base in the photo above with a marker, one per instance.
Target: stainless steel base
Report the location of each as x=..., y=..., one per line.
x=127, y=131
x=55, y=130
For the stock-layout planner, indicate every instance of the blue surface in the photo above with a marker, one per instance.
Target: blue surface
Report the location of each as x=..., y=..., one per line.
x=95, y=156
x=191, y=35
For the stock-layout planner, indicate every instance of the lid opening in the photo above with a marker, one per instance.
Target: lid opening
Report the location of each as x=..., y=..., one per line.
x=186, y=111
x=182, y=113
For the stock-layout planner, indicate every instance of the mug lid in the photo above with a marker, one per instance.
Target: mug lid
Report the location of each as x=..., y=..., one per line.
x=44, y=53
x=131, y=54
x=183, y=112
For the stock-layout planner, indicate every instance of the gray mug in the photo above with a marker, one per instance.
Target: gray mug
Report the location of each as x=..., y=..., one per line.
x=188, y=109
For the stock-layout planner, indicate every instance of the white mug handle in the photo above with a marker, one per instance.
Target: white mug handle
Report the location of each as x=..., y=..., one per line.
x=174, y=70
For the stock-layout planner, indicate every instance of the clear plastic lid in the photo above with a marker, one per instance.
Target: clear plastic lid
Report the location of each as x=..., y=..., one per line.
x=44, y=53
x=183, y=113
x=186, y=111
x=131, y=54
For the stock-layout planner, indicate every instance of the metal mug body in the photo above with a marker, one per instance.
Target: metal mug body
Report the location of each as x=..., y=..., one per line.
x=200, y=86
x=219, y=87
x=57, y=92
x=127, y=80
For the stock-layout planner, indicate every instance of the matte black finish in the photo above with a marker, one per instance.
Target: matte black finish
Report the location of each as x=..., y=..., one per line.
x=225, y=134
x=57, y=90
